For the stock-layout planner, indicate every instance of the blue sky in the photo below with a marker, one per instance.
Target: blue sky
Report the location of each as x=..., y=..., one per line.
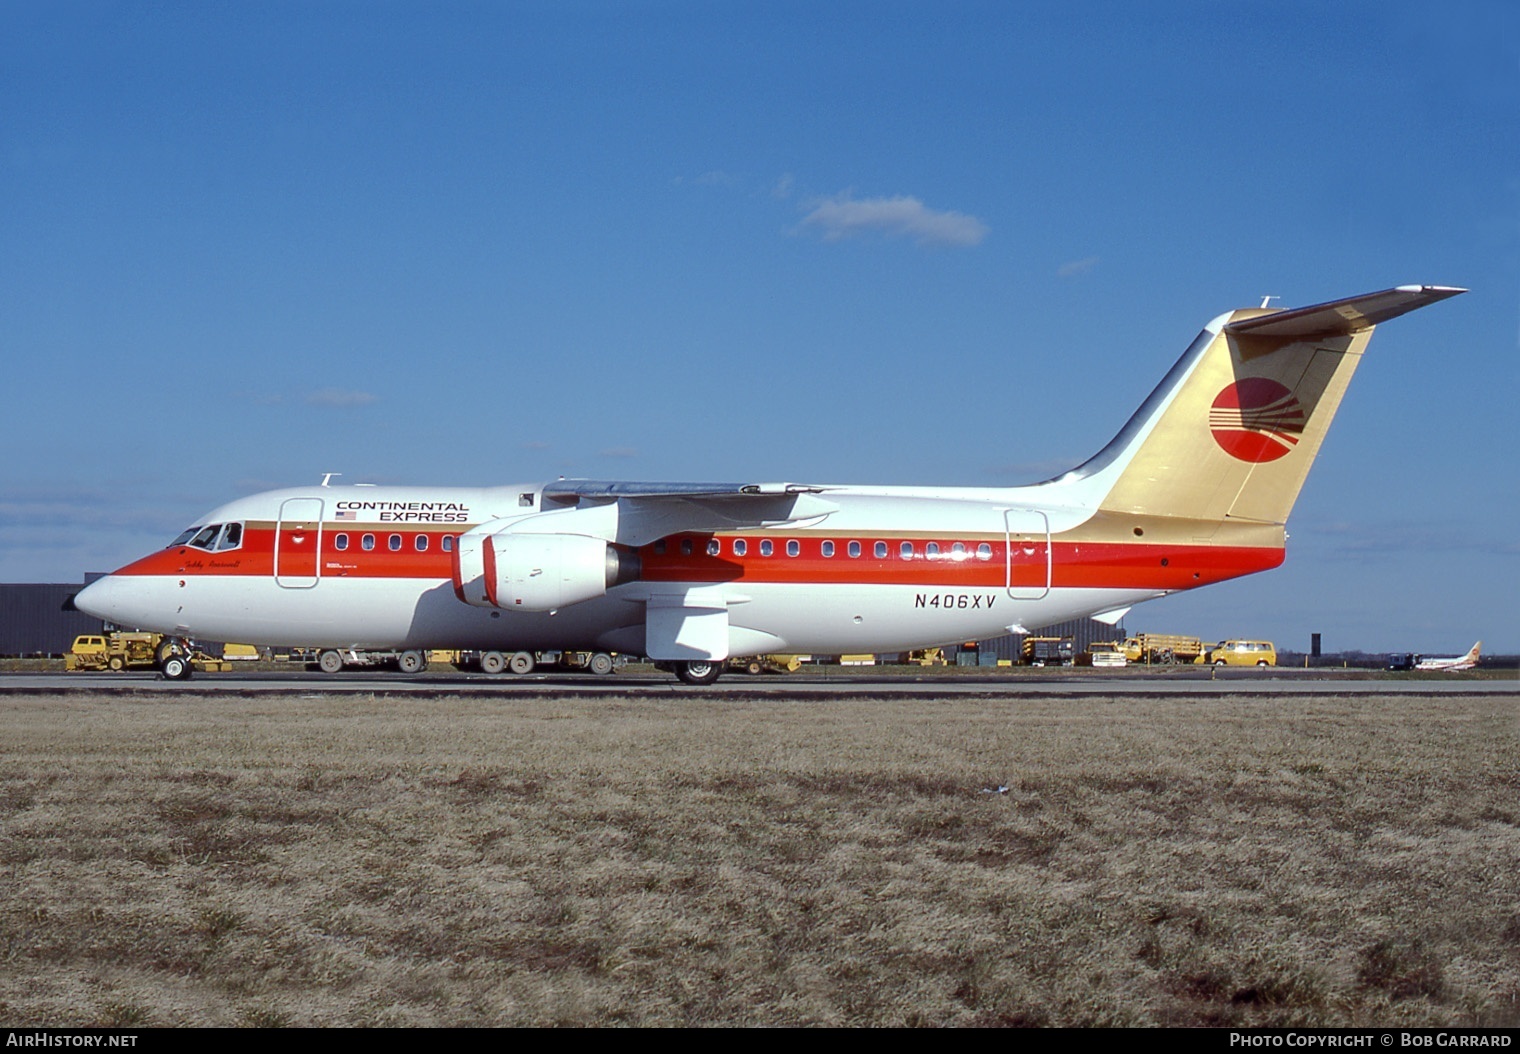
x=243, y=245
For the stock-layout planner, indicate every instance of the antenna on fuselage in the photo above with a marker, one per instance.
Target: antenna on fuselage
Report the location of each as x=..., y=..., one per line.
x=1266, y=301
x=327, y=476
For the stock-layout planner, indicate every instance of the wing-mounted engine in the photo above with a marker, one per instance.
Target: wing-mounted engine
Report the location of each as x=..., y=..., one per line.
x=517, y=569
x=584, y=542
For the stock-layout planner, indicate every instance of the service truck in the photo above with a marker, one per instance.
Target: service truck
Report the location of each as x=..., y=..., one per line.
x=1162, y=648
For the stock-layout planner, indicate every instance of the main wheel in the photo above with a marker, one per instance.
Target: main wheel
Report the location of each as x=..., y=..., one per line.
x=177, y=668
x=330, y=661
x=600, y=664
x=522, y=662
x=116, y=663
x=699, y=671
x=492, y=662
x=411, y=662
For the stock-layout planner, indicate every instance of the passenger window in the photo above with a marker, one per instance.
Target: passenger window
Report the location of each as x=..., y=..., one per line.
x=448, y=543
x=931, y=549
x=793, y=547
x=906, y=549
x=828, y=548
x=685, y=546
x=766, y=547
x=394, y=541
x=714, y=547
x=958, y=551
x=984, y=551
x=420, y=543
x=881, y=550
x=740, y=547
x=854, y=549
x=368, y=541
x=340, y=542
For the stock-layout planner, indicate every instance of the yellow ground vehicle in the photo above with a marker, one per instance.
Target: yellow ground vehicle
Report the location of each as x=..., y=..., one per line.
x=758, y=664
x=137, y=651
x=927, y=657
x=1241, y=653
x=1162, y=648
x=113, y=651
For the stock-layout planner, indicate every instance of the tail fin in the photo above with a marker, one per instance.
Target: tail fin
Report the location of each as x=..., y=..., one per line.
x=1472, y=653
x=1233, y=428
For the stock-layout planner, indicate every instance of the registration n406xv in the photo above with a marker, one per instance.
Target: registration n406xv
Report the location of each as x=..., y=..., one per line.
x=954, y=601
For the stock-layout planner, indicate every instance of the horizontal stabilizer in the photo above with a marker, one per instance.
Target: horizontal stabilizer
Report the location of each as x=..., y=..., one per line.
x=1342, y=317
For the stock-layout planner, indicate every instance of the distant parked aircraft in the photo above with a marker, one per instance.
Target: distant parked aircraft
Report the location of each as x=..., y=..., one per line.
x=1466, y=662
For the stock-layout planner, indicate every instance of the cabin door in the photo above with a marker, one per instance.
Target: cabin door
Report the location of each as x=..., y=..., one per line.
x=1026, y=548
x=298, y=543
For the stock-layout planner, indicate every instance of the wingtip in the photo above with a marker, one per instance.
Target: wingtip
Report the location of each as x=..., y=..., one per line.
x=1432, y=290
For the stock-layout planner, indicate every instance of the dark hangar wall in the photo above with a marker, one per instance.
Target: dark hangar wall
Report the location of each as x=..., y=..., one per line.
x=32, y=619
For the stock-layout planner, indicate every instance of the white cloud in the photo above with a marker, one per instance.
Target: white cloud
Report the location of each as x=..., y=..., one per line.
x=1072, y=268
x=716, y=178
x=339, y=397
x=901, y=216
x=783, y=186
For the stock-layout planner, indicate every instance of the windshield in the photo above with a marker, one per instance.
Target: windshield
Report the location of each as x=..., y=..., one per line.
x=213, y=537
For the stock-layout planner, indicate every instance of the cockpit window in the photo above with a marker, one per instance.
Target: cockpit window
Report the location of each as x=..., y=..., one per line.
x=214, y=537
x=205, y=538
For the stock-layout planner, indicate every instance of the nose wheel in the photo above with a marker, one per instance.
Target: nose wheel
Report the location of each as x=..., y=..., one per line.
x=174, y=659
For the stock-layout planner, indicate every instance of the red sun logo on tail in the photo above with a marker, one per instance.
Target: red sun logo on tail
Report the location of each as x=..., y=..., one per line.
x=1256, y=420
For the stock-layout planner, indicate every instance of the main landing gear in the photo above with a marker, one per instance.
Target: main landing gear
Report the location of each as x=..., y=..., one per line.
x=699, y=671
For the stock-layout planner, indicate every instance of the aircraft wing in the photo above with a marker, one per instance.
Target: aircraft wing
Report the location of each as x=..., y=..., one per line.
x=572, y=491
x=1350, y=315
x=647, y=511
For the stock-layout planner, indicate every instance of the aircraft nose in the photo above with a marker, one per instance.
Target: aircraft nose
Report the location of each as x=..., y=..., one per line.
x=96, y=598
x=115, y=600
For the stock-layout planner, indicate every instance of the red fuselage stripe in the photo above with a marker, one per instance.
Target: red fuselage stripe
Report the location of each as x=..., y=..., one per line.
x=1073, y=565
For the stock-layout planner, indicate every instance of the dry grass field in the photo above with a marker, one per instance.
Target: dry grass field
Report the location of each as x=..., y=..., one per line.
x=682, y=860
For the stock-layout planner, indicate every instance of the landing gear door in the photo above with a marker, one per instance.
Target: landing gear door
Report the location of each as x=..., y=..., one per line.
x=298, y=543
x=1026, y=537
x=688, y=625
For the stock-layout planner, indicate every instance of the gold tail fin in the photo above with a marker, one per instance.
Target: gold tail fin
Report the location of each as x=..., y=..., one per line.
x=1232, y=431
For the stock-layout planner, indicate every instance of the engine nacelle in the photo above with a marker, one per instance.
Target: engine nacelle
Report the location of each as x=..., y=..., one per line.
x=537, y=572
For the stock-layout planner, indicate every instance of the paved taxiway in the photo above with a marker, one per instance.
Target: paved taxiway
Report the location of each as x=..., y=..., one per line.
x=820, y=685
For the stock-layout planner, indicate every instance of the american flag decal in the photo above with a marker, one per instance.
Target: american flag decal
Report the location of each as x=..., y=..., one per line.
x=1256, y=420
x=346, y=514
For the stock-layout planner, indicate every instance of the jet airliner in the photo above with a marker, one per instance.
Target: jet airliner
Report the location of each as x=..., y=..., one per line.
x=1461, y=662
x=1195, y=489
